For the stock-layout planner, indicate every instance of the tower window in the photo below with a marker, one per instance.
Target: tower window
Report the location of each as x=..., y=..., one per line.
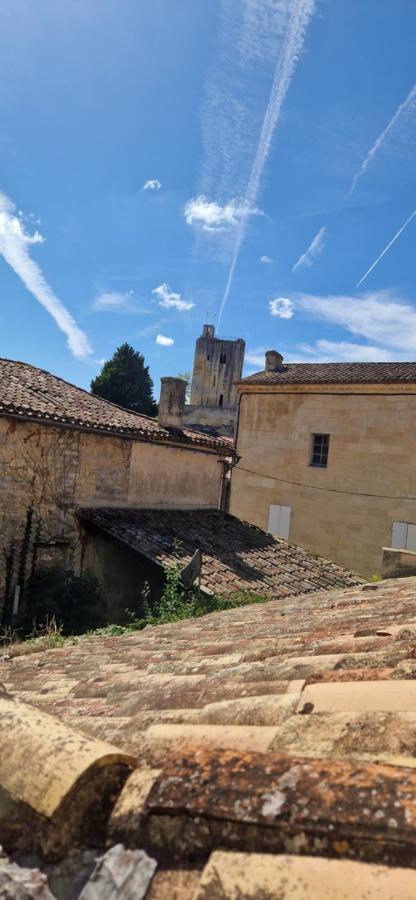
x=208, y=357
x=221, y=400
x=223, y=358
x=213, y=381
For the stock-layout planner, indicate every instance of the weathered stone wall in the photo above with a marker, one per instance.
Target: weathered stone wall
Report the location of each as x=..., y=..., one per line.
x=174, y=477
x=345, y=511
x=217, y=365
x=122, y=575
x=398, y=563
x=53, y=470
x=211, y=419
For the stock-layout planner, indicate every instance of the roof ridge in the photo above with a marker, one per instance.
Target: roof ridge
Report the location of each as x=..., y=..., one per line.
x=77, y=386
x=70, y=409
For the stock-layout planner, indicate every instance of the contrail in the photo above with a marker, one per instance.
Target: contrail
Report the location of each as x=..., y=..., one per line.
x=315, y=248
x=302, y=11
x=411, y=98
x=14, y=247
x=390, y=244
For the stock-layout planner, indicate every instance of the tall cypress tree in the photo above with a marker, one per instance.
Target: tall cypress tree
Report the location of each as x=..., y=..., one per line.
x=124, y=379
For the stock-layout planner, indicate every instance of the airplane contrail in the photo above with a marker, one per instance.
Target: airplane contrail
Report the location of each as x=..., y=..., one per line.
x=411, y=98
x=302, y=11
x=390, y=244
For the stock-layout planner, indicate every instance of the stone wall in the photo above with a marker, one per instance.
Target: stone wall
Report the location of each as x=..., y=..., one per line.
x=52, y=470
x=211, y=419
x=344, y=512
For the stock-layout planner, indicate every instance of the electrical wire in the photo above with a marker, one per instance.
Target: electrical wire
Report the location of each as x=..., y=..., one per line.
x=315, y=487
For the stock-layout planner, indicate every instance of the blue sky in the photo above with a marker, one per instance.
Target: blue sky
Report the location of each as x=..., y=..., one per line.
x=170, y=162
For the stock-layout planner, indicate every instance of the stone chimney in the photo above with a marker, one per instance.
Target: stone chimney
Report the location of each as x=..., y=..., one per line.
x=273, y=360
x=208, y=331
x=172, y=402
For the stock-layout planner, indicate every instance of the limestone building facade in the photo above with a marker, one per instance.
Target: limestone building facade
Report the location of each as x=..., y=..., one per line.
x=218, y=364
x=327, y=457
x=62, y=448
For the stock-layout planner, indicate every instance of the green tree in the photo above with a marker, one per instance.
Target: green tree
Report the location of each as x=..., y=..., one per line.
x=124, y=379
x=186, y=376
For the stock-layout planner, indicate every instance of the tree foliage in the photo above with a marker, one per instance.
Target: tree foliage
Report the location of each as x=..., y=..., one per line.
x=124, y=379
x=186, y=376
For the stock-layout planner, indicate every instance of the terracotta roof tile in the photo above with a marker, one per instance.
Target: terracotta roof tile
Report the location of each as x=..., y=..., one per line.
x=236, y=556
x=248, y=737
x=337, y=373
x=34, y=394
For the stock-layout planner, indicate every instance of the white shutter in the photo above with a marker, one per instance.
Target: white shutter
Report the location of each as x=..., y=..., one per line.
x=399, y=535
x=411, y=538
x=279, y=520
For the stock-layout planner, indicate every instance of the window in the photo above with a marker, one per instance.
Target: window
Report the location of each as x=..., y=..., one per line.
x=320, y=448
x=223, y=358
x=208, y=357
x=403, y=536
x=221, y=399
x=279, y=521
x=213, y=381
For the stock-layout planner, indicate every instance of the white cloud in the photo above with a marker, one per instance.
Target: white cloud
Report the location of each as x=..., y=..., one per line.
x=315, y=249
x=164, y=341
x=152, y=185
x=109, y=300
x=407, y=104
x=255, y=358
x=281, y=307
x=150, y=329
x=211, y=216
x=14, y=247
x=383, y=317
x=341, y=351
x=170, y=299
x=326, y=351
x=266, y=259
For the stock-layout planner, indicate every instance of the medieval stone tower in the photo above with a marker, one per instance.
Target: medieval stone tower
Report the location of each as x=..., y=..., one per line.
x=217, y=365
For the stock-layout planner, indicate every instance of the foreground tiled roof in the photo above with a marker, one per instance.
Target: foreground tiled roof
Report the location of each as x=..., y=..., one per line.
x=274, y=747
x=236, y=556
x=32, y=393
x=337, y=373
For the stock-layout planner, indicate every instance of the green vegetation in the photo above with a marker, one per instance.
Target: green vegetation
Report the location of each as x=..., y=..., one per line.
x=186, y=376
x=175, y=603
x=124, y=379
x=63, y=607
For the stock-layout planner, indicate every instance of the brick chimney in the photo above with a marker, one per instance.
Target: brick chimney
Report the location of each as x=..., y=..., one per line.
x=172, y=402
x=273, y=360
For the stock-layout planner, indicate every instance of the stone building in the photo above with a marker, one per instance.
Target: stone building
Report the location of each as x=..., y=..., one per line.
x=62, y=448
x=327, y=457
x=218, y=364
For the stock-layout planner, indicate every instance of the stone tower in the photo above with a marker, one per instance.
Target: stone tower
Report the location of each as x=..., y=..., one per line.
x=217, y=365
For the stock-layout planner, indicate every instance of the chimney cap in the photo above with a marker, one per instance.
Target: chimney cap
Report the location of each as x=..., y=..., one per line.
x=172, y=378
x=274, y=359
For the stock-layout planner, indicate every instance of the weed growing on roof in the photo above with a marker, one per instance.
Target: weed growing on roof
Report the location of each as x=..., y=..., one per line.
x=176, y=604
x=47, y=636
